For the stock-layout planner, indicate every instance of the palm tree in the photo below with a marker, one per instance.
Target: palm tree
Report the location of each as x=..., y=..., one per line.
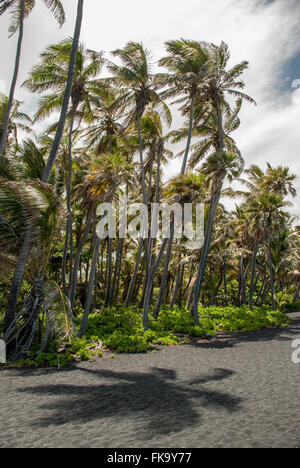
x=52, y=74
x=220, y=164
x=189, y=65
x=21, y=10
x=27, y=204
x=20, y=267
x=134, y=76
x=18, y=121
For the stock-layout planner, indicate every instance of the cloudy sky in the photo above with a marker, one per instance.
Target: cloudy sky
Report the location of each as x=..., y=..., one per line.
x=264, y=32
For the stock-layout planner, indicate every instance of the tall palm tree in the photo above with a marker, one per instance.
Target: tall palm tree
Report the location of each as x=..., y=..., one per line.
x=25, y=251
x=189, y=66
x=134, y=76
x=220, y=164
x=52, y=75
x=20, y=10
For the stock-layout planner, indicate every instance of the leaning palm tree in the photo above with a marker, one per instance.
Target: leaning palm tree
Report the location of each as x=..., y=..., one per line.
x=25, y=251
x=188, y=62
x=221, y=82
x=20, y=10
x=134, y=76
x=52, y=75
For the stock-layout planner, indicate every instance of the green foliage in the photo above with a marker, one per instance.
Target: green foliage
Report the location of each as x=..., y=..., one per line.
x=121, y=330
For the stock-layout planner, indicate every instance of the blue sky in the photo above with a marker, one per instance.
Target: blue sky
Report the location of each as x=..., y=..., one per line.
x=264, y=32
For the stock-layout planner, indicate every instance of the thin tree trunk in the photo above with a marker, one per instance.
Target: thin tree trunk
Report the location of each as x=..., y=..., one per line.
x=150, y=285
x=252, y=289
x=67, y=95
x=134, y=277
x=205, y=249
x=26, y=248
x=69, y=227
x=18, y=278
x=225, y=281
x=165, y=274
x=211, y=218
x=177, y=283
x=189, y=139
x=109, y=259
x=86, y=231
x=271, y=274
x=89, y=297
x=14, y=80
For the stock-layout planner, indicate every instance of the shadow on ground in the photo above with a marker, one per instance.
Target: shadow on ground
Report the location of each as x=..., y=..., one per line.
x=155, y=399
x=231, y=339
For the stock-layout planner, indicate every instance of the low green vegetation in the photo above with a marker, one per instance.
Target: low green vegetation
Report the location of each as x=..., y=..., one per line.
x=122, y=331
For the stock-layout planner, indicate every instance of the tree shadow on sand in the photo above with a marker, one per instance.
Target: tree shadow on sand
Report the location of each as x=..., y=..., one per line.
x=154, y=401
x=231, y=339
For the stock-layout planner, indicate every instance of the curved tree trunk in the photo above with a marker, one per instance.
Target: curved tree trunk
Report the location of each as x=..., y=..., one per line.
x=67, y=95
x=14, y=80
x=218, y=183
x=204, y=254
x=18, y=278
x=189, y=138
x=26, y=248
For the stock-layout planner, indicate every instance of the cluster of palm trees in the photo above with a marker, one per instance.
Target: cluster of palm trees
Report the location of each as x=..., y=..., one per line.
x=111, y=138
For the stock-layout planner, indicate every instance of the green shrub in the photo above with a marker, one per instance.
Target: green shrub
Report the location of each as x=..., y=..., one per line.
x=121, y=330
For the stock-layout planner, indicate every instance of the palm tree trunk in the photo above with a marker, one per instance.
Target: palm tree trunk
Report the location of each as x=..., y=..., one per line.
x=14, y=80
x=86, y=231
x=205, y=249
x=69, y=228
x=18, y=278
x=26, y=248
x=225, y=281
x=134, y=277
x=189, y=139
x=109, y=278
x=177, y=283
x=296, y=295
x=252, y=289
x=271, y=274
x=150, y=285
x=165, y=275
x=211, y=219
x=67, y=95
x=90, y=288
x=89, y=297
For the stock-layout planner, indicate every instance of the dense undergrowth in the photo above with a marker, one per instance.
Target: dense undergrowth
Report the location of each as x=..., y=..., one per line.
x=121, y=330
